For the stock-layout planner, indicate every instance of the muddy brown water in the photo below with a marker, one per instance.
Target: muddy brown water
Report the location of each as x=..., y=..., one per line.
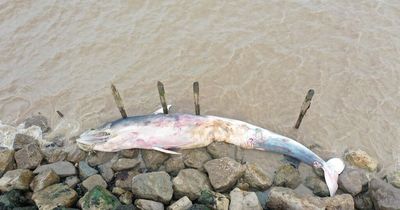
x=255, y=61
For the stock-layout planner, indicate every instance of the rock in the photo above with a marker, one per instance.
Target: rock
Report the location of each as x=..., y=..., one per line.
x=262, y=198
x=174, y=164
x=61, y=168
x=74, y=154
x=153, y=159
x=182, y=204
x=148, y=205
x=243, y=200
x=123, y=179
x=16, y=179
x=363, y=202
x=85, y=170
x=318, y=186
x=256, y=178
x=222, y=149
x=214, y=200
x=21, y=140
x=37, y=120
x=353, y=181
x=32, y=208
x=155, y=186
x=118, y=191
x=223, y=173
x=343, y=201
x=106, y=172
x=99, y=198
x=394, y=178
x=241, y=184
x=6, y=160
x=286, y=198
x=290, y=200
x=287, y=176
x=126, y=198
x=54, y=154
x=125, y=164
x=130, y=153
x=383, y=195
x=199, y=207
x=54, y=196
x=44, y=179
x=98, y=158
x=12, y=199
x=195, y=158
x=29, y=157
x=190, y=182
x=92, y=181
x=361, y=159
x=126, y=207
x=72, y=181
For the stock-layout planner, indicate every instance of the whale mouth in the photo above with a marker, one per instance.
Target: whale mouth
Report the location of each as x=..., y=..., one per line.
x=94, y=137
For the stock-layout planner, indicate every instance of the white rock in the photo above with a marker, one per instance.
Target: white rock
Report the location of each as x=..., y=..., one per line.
x=243, y=200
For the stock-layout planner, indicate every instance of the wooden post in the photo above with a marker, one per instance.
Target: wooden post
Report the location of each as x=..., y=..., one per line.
x=304, y=107
x=118, y=101
x=60, y=114
x=161, y=92
x=196, y=97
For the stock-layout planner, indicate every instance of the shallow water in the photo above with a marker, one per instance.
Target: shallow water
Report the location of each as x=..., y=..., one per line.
x=255, y=61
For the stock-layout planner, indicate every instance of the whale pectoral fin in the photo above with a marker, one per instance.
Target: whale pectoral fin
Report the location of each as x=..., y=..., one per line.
x=160, y=110
x=165, y=151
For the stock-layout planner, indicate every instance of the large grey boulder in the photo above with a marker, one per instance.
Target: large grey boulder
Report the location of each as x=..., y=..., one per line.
x=54, y=196
x=190, y=182
x=155, y=186
x=353, y=181
x=16, y=179
x=29, y=157
x=223, y=173
x=383, y=195
x=6, y=160
x=195, y=158
x=44, y=179
x=61, y=168
x=244, y=200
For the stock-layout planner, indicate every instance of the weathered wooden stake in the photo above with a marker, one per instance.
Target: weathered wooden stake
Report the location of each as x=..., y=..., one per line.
x=60, y=114
x=161, y=92
x=304, y=107
x=118, y=101
x=196, y=97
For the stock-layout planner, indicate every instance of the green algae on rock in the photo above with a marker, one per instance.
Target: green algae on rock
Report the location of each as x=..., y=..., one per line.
x=99, y=198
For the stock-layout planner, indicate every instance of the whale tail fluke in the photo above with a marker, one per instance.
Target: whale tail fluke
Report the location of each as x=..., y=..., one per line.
x=332, y=169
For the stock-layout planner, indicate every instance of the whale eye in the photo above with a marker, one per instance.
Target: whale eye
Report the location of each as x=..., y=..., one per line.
x=102, y=133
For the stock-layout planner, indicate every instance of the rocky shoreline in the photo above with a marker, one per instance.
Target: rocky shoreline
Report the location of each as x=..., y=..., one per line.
x=58, y=175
